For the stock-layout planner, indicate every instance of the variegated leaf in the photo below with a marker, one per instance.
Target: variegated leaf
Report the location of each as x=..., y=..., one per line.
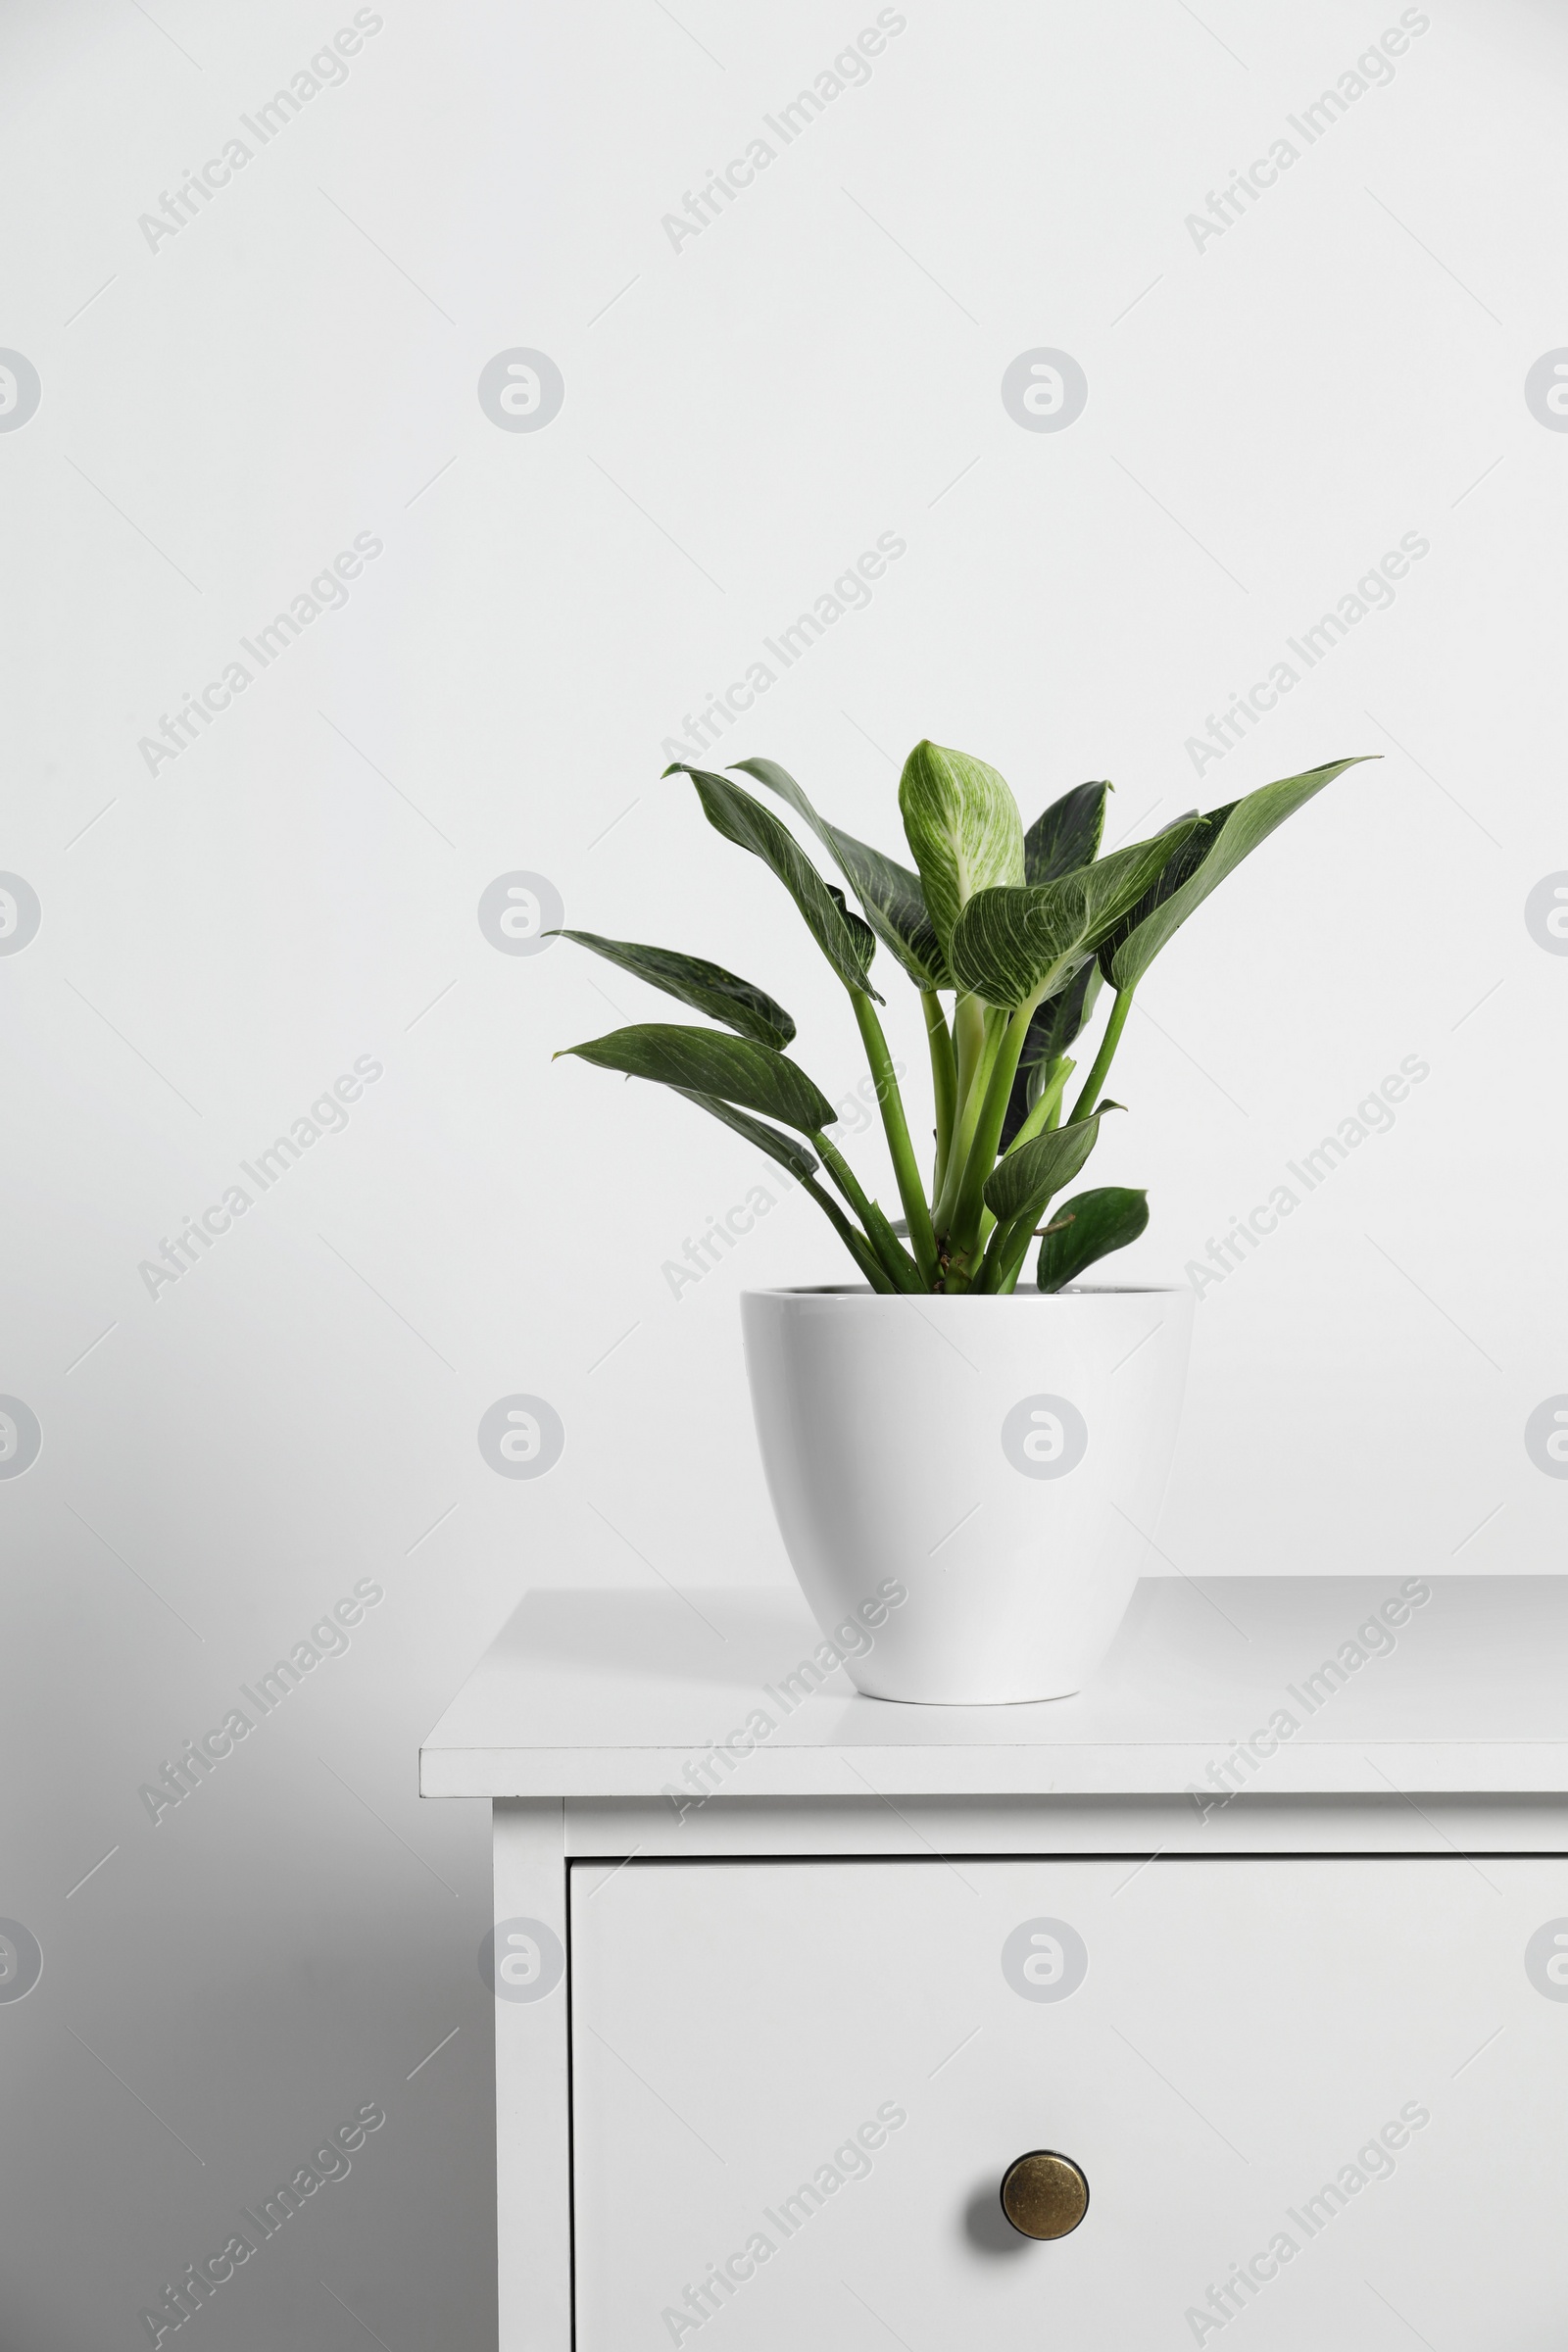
x=1019, y=1187
x=847, y=944
x=1067, y=835
x=1011, y=945
x=894, y=901
x=1088, y=1228
x=782, y=1148
x=1227, y=836
x=705, y=987
x=704, y=1061
x=964, y=830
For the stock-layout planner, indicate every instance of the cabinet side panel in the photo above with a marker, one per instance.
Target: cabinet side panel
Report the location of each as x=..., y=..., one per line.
x=533, y=2091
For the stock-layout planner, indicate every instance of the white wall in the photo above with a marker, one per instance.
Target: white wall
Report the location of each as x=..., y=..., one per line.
x=1269, y=411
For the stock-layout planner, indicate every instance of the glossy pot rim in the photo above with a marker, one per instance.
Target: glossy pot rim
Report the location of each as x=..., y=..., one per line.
x=864, y=1293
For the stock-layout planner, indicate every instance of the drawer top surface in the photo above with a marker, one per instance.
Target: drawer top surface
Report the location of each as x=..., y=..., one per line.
x=631, y=1693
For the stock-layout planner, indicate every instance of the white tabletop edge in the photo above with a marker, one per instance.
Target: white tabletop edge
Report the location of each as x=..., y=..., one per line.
x=596, y=1693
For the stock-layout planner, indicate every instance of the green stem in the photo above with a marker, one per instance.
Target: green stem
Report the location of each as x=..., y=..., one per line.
x=899, y=1268
x=865, y=1258
x=980, y=1035
x=969, y=1038
x=1054, y=1115
x=1009, y=1246
x=854, y=1242
x=981, y=1156
x=987, y=1273
x=944, y=1077
x=1096, y=1079
x=1043, y=1117
x=906, y=1169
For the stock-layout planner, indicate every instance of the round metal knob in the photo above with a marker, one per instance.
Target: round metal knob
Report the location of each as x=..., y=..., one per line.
x=1043, y=2194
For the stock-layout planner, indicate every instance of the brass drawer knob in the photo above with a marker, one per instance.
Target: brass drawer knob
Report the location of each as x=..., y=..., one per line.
x=1043, y=2194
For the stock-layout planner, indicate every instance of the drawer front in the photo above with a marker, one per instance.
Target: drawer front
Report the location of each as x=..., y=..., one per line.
x=1316, y=2101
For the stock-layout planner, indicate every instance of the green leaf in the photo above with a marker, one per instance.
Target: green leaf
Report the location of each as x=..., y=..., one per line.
x=782, y=1148
x=1018, y=1187
x=1056, y=1023
x=705, y=987
x=861, y=933
x=1087, y=1227
x=894, y=901
x=1225, y=837
x=1182, y=862
x=1067, y=835
x=871, y=1265
x=1053, y=1028
x=1010, y=945
x=964, y=830
x=896, y=1262
x=847, y=944
x=700, y=1061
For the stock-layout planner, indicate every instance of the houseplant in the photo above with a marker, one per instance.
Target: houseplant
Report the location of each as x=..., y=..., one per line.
x=880, y=1454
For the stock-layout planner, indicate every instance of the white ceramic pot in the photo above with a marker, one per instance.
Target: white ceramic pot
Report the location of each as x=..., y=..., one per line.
x=1002, y=1462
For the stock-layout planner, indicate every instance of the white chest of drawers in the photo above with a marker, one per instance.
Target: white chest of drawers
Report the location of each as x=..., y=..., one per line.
x=1266, y=1934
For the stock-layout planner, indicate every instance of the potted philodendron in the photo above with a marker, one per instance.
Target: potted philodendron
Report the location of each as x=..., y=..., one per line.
x=992, y=1461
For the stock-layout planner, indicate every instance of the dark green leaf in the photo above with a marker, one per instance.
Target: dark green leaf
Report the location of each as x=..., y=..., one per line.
x=1227, y=836
x=1054, y=1024
x=782, y=1148
x=896, y=1261
x=845, y=941
x=871, y=1265
x=1019, y=1186
x=1067, y=835
x=892, y=897
x=702, y=1061
x=1182, y=864
x=1052, y=1029
x=1087, y=1227
x=705, y=987
x=963, y=827
x=1010, y=945
x=861, y=932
